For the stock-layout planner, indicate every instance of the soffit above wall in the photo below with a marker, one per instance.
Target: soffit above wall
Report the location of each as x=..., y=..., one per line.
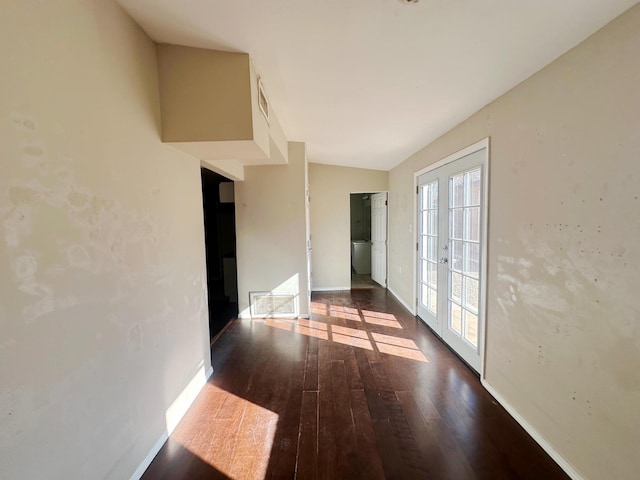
x=367, y=83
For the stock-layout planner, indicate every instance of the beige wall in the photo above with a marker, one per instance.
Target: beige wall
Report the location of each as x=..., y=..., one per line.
x=270, y=230
x=205, y=94
x=563, y=344
x=103, y=316
x=330, y=187
x=210, y=109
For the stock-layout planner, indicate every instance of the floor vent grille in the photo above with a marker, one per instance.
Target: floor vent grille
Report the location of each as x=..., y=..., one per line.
x=272, y=305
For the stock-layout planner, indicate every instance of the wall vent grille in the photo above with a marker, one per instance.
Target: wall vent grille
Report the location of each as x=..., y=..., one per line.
x=263, y=103
x=273, y=305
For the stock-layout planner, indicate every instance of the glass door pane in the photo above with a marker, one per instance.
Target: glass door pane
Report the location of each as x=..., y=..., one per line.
x=464, y=262
x=428, y=247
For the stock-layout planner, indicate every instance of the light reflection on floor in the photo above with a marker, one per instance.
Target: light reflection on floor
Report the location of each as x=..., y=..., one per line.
x=388, y=344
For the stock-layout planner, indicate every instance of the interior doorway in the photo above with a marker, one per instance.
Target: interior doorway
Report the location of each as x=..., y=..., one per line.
x=220, y=245
x=368, y=213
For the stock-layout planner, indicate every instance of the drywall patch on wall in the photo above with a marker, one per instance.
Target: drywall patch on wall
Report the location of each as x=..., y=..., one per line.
x=101, y=235
x=24, y=122
x=569, y=277
x=75, y=253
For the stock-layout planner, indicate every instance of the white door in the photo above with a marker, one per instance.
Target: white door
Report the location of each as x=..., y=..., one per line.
x=379, y=238
x=308, y=234
x=451, y=250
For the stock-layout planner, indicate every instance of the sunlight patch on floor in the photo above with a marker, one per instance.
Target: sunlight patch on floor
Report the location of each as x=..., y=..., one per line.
x=319, y=308
x=312, y=332
x=354, y=337
x=382, y=319
x=238, y=451
x=382, y=322
x=346, y=313
x=280, y=323
x=312, y=328
x=352, y=341
x=402, y=352
x=352, y=332
x=391, y=340
x=312, y=324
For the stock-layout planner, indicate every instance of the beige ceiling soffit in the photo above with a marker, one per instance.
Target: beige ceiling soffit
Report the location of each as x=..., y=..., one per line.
x=231, y=169
x=214, y=106
x=278, y=143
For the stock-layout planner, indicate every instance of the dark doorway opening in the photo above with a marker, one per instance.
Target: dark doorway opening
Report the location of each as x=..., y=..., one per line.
x=220, y=244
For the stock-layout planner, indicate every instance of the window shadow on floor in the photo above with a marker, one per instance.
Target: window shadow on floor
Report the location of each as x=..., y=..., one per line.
x=173, y=455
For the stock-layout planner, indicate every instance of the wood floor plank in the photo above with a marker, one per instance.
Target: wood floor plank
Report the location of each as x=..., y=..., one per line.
x=284, y=450
x=311, y=366
x=307, y=460
x=327, y=451
x=369, y=460
x=364, y=370
x=352, y=370
x=412, y=462
x=376, y=406
x=343, y=426
x=425, y=404
x=444, y=458
x=389, y=450
x=337, y=396
x=381, y=376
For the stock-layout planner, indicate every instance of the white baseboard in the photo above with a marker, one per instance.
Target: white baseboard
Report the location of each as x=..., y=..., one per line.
x=412, y=311
x=330, y=289
x=541, y=440
x=150, y=456
x=179, y=407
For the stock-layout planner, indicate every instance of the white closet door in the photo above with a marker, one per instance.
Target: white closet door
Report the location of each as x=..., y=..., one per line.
x=379, y=238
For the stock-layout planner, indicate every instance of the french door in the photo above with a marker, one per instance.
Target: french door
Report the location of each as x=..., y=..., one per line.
x=451, y=237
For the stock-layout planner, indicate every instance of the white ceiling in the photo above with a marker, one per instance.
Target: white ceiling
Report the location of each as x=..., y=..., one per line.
x=366, y=83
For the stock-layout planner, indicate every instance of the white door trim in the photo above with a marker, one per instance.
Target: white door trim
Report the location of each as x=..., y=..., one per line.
x=386, y=246
x=382, y=278
x=481, y=144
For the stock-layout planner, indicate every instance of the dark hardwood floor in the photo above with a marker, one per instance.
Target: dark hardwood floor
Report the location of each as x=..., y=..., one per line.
x=361, y=391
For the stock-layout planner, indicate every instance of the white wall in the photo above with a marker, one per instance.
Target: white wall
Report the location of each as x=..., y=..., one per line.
x=103, y=313
x=330, y=188
x=271, y=230
x=563, y=338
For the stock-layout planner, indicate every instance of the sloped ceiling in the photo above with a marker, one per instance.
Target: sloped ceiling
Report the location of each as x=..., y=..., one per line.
x=366, y=83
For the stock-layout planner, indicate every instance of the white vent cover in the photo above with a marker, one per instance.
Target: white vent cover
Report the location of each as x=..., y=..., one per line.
x=263, y=103
x=272, y=305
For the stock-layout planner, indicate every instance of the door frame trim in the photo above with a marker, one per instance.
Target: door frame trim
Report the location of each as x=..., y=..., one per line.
x=479, y=145
x=386, y=246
